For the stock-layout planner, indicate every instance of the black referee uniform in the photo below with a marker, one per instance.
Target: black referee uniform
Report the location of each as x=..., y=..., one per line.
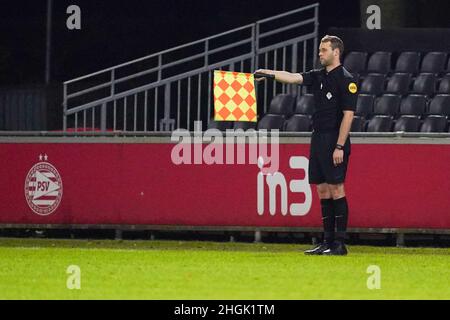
x=334, y=92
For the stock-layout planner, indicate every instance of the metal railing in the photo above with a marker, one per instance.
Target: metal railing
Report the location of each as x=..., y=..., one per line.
x=173, y=88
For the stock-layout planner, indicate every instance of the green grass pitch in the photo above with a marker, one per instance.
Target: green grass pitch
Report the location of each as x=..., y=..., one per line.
x=37, y=269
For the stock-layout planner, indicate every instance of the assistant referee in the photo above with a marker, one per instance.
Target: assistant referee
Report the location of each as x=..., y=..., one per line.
x=335, y=94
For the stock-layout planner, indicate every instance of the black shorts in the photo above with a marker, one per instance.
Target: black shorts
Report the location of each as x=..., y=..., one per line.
x=321, y=166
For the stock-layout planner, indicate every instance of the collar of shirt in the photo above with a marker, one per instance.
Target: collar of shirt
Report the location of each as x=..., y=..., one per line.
x=332, y=70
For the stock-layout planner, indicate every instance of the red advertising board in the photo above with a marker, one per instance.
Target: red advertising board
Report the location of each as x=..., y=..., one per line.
x=76, y=183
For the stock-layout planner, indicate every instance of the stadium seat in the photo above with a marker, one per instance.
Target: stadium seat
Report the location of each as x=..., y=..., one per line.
x=271, y=121
x=440, y=105
x=434, y=123
x=298, y=123
x=425, y=83
x=364, y=105
x=282, y=104
x=434, y=62
x=399, y=83
x=408, y=62
x=414, y=104
x=355, y=62
x=379, y=62
x=444, y=85
x=305, y=104
x=358, y=124
x=244, y=125
x=373, y=84
x=387, y=104
x=407, y=123
x=220, y=125
x=380, y=124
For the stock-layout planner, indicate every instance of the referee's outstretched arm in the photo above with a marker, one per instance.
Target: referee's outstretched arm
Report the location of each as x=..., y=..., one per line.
x=282, y=76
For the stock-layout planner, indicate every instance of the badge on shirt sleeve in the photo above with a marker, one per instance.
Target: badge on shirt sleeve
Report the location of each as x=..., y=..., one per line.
x=352, y=87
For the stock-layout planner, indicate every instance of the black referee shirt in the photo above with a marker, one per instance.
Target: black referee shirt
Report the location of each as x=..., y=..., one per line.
x=334, y=92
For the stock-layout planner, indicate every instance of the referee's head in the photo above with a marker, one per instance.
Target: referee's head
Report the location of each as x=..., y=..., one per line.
x=330, y=50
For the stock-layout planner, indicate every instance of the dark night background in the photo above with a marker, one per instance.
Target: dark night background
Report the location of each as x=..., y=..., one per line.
x=117, y=31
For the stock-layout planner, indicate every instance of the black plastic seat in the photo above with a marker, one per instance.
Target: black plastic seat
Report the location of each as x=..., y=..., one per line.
x=282, y=104
x=440, y=105
x=399, y=83
x=244, y=125
x=434, y=123
x=358, y=124
x=444, y=84
x=387, y=104
x=220, y=125
x=271, y=121
x=434, y=62
x=407, y=123
x=380, y=124
x=414, y=104
x=355, y=62
x=425, y=83
x=373, y=84
x=298, y=123
x=408, y=62
x=364, y=104
x=379, y=62
x=305, y=104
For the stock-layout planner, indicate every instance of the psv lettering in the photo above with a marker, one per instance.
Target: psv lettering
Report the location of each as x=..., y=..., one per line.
x=43, y=186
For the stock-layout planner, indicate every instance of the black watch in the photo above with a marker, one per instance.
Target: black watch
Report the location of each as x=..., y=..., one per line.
x=339, y=147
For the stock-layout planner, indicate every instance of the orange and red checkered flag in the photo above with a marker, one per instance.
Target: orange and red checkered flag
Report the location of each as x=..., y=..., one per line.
x=234, y=96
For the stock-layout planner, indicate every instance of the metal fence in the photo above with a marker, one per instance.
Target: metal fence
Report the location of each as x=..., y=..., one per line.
x=173, y=88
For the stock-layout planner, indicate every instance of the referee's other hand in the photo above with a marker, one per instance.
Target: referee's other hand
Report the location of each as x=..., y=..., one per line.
x=338, y=157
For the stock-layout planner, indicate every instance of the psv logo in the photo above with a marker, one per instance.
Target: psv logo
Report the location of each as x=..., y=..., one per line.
x=43, y=187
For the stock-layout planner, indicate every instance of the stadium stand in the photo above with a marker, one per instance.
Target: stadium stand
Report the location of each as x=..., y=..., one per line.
x=444, y=84
x=407, y=123
x=379, y=62
x=358, y=124
x=244, y=125
x=434, y=123
x=271, y=121
x=355, y=62
x=283, y=104
x=298, y=123
x=408, y=62
x=373, y=84
x=380, y=123
x=440, y=105
x=364, y=105
x=433, y=62
x=220, y=125
x=425, y=84
x=414, y=96
x=413, y=104
x=387, y=104
x=399, y=83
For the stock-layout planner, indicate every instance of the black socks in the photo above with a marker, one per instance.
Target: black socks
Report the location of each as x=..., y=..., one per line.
x=334, y=217
x=328, y=219
x=340, y=207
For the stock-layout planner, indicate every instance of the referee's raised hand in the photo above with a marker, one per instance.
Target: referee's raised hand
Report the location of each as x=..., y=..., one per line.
x=265, y=71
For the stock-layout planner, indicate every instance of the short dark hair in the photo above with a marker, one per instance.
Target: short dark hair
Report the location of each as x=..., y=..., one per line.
x=335, y=42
